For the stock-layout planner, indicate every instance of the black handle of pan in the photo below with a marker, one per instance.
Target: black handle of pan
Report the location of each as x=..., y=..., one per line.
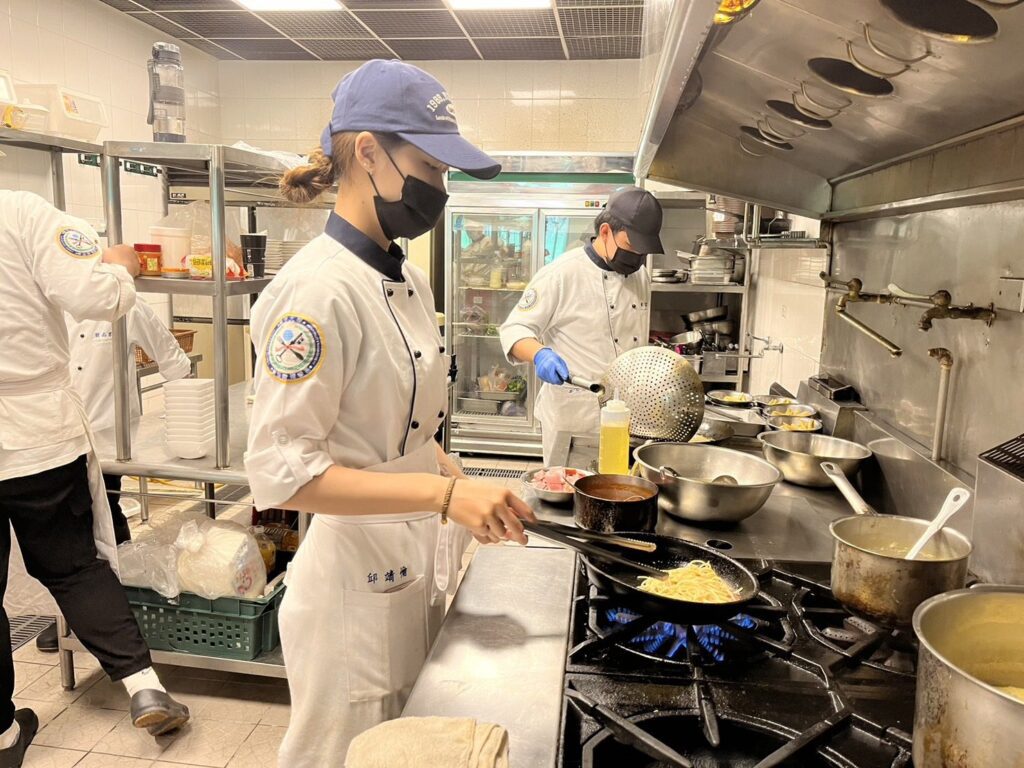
x=628, y=733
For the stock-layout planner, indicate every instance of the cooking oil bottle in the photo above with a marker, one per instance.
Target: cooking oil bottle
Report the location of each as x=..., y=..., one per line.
x=613, y=450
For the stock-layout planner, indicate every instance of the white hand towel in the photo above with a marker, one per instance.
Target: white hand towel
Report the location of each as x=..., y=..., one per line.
x=430, y=742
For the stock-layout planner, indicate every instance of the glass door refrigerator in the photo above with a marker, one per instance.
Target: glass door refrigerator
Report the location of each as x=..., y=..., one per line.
x=498, y=234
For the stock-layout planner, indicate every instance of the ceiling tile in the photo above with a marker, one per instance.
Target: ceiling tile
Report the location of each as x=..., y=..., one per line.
x=391, y=5
x=123, y=5
x=266, y=49
x=412, y=24
x=313, y=24
x=159, y=22
x=603, y=47
x=538, y=23
x=222, y=23
x=189, y=5
x=347, y=50
x=210, y=48
x=437, y=49
x=520, y=48
x=585, y=22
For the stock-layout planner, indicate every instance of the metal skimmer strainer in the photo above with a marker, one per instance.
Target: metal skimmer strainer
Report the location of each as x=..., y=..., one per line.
x=664, y=394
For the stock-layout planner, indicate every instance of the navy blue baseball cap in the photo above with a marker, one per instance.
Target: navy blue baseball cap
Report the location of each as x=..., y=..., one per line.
x=395, y=97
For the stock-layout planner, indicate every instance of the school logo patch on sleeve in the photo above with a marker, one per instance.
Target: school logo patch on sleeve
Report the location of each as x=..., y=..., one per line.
x=294, y=349
x=76, y=243
x=529, y=300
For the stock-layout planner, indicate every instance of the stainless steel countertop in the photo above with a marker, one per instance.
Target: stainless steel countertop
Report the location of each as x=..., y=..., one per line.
x=792, y=525
x=500, y=655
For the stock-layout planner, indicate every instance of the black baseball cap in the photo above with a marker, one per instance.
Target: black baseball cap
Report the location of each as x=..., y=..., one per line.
x=640, y=211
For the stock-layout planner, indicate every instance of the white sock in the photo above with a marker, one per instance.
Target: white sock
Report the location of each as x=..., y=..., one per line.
x=140, y=681
x=10, y=737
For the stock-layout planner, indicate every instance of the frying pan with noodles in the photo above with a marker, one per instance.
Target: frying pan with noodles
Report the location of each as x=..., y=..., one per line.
x=621, y=583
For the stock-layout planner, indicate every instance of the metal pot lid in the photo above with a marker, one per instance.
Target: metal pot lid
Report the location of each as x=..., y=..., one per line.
x=752, y=133
x=843, y=75
x=794, y=115
x=956, y=21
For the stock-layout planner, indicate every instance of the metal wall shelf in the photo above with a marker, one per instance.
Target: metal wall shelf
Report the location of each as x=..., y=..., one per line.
x=200, y=287
x=46, y=142
x=695, y=288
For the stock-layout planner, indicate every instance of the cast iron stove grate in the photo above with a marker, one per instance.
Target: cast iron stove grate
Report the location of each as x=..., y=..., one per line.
x=1008, y=456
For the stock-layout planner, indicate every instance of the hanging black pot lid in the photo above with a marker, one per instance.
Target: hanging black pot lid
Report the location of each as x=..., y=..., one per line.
x=751, y=132
x=843, y=75
x=956, y=21
x=794, y=115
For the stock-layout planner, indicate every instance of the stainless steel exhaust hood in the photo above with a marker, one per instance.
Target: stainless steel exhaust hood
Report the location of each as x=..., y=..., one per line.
x=792, y=100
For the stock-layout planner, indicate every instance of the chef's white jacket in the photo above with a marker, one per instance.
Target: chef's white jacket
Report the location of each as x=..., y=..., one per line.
x=587, y=313
x=49, y=264
x=92, y=361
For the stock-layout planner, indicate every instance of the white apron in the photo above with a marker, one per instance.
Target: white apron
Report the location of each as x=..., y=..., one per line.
x=24, y=594
x=353, y=665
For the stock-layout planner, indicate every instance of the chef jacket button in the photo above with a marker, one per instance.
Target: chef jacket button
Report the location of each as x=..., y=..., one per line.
x=412, y=292
x=415, y=425
x=616, y=341
x=282, y=440
x=635, y=339
x=611, y=306
x=391, y=292
x=606, y=277
x=417, y=354
x=79, y=367
x=634, y=306
x=81, y=335
x=440, y=414
x=441, y=350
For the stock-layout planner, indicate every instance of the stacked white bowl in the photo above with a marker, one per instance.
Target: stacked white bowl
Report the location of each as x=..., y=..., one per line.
x=189, y=421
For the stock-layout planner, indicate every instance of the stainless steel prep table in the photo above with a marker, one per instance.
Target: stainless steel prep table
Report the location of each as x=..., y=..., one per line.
x=500, y=655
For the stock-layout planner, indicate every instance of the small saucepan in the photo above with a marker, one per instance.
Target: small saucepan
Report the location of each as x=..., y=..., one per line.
x=870, y=573
x=613, y=503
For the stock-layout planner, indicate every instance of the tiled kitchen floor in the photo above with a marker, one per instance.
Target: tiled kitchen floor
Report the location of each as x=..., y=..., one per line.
x=237, y=720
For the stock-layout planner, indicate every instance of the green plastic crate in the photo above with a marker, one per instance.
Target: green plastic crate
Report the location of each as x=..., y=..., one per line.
x=228, y=628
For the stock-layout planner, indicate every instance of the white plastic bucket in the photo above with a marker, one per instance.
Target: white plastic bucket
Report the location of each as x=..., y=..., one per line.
x=175, y=244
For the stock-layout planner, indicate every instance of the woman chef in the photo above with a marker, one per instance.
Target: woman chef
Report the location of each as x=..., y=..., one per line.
x=349, y=391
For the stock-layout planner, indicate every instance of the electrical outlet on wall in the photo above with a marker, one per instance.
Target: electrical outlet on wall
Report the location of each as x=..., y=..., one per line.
x=1010, y=295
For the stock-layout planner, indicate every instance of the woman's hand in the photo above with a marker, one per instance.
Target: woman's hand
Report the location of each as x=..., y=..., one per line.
x=490, y=512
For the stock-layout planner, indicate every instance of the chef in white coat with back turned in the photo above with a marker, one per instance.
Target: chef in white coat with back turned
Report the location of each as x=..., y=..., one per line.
x=585, y=309
x=51, y=489
x=92, y=361
x=350, y=388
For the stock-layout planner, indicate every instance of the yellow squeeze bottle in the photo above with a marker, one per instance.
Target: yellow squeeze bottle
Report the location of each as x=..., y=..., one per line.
x=613, y=448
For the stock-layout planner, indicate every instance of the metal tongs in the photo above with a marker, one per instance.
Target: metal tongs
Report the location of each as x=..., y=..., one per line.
x=568, y=537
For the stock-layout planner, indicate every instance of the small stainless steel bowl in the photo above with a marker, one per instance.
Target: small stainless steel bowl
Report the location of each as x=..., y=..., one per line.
x=551, y=497
x=796, y=424
x=798, y=410
x=799, y=455
x=772, y=401
x=720, y=397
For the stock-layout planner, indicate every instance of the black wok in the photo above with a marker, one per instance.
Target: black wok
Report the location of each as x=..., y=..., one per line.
x=621, y=583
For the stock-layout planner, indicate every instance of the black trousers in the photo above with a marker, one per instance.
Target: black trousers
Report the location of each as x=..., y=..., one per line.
x=122, y=532
x=51, y=512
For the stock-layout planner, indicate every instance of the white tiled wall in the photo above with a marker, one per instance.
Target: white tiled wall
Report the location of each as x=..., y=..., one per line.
x=789, y=307
x=583, y=106
x=88, y=46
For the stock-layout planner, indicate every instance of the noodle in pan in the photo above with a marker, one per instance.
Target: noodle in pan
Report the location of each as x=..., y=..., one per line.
x=695, y=582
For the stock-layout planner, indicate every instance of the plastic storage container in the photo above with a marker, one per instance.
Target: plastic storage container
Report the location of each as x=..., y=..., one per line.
x=166, y=93
x=613, y=449
x=16, y=114
x=228, y=628
x=175, y=243
x=149, y=259
x=72, y=114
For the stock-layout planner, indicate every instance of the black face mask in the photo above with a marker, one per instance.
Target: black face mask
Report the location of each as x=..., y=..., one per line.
x=626, y=262
x=418, y=210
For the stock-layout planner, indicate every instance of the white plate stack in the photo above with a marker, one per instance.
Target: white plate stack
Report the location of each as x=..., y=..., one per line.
x=189, y=421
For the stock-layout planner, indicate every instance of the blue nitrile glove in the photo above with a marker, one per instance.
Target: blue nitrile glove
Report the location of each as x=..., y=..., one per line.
x=550, y=367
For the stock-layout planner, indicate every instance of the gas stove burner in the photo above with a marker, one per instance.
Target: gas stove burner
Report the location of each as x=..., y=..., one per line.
x=740, y=639
x=856, y=638
x=743, y=744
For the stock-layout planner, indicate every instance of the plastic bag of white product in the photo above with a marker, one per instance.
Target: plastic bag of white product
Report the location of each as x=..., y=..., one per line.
x=151, y=564
x=217, y=558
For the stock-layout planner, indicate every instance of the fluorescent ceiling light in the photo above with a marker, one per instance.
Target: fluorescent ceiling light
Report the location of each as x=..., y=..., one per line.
x=292, y=5
x=498, y=5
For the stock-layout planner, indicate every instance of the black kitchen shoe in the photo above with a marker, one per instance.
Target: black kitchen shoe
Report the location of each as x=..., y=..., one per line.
x=13, y=756
x=157, y=712
x=46, y=641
